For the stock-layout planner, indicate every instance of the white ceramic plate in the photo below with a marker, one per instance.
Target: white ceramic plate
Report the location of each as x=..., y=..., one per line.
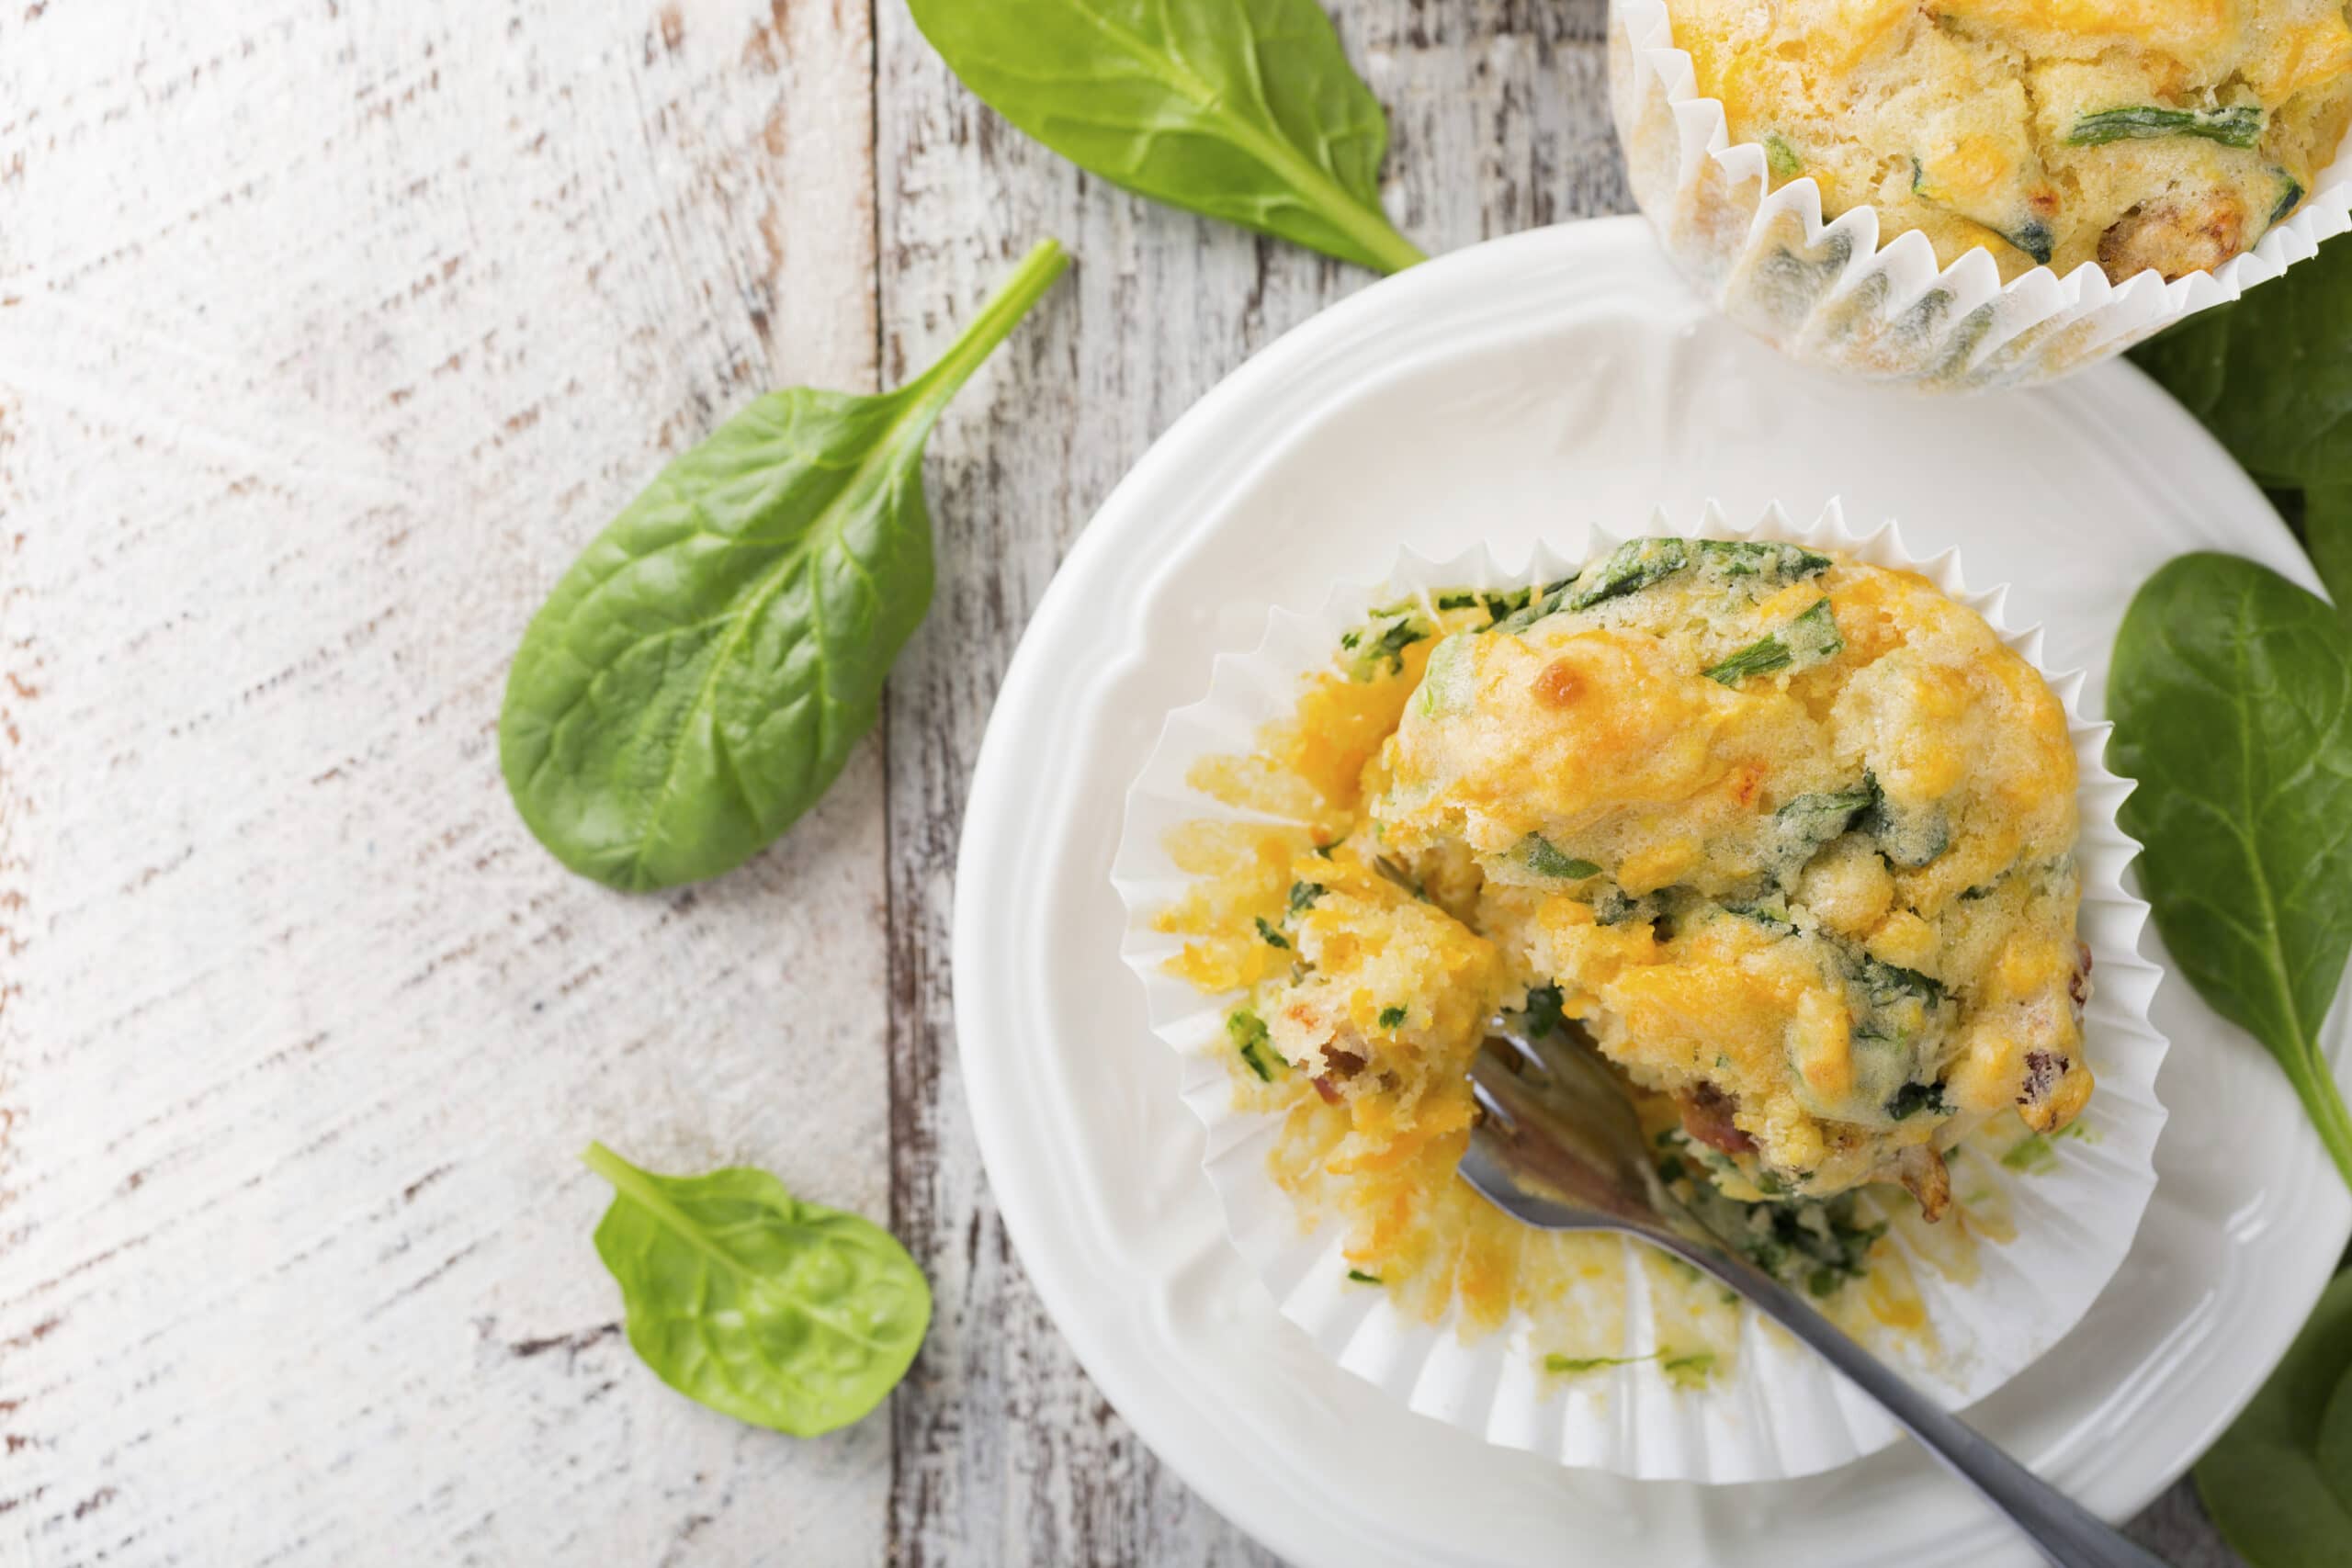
x=1521, y=388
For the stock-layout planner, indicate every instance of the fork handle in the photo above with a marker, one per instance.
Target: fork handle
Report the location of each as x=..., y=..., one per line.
x=2067, y=1533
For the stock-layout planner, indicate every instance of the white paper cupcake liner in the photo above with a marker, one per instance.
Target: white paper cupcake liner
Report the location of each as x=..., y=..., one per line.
x=1783, y=1413
x=1830, y=294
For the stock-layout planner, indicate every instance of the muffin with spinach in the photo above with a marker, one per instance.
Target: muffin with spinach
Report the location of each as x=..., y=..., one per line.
x=1785, y=829
x=2135, y=135
x=1790, y=836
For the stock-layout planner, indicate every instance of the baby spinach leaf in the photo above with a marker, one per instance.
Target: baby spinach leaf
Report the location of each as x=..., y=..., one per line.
x=2232, y=696
x=1372, y=654
x=700, y=674
x=1914, y=1098
x=765, y=1308
x=2271, y=375
x=2289, y=197
x=2327, y=534
x=1633, y=566
x=1543, y=857
x=1255, y=1044
x=2279, y=1484
x=1569, y=1366
x=2237, y=126
x=1240, y=110
x=1544, y=1012
x=1760, y=557
x=1805, y=641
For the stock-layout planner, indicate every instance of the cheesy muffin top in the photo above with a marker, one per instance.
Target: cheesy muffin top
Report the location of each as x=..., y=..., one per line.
x=1791, y=835
x=1788, y=836
x=2164, y=135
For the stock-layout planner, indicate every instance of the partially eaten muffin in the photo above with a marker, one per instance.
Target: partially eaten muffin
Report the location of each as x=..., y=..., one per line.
x=1788, y=835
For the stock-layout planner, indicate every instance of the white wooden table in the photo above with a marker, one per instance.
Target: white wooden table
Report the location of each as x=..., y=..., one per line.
x=329, y=330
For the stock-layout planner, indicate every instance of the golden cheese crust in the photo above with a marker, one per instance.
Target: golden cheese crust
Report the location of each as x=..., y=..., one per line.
x=1791, y=836
x=2164, y=135
x=1788, y=836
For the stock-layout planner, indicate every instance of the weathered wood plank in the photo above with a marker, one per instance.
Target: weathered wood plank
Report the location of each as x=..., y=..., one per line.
x=1005, y=1453
x=2176, y=1528
x=330, y=333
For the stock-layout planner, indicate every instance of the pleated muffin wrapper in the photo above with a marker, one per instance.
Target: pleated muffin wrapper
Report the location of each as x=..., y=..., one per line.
x=1780, y=1413
x=1830, y=294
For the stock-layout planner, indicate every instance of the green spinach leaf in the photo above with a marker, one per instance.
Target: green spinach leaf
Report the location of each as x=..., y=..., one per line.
x=1255, y=1044
x=2279, y=1484
x=1633, y=566
x=2271, y=375
x=765, y=1308
x=1240, y=110
x=1569, y=1366
x=1805, y=641
x=2327, y=534
x=2232, y=696
x=1543, y=857
x=2237, y=126
x=699, y=676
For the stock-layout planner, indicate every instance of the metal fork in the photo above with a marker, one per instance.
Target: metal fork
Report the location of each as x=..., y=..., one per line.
x=1561, y=1147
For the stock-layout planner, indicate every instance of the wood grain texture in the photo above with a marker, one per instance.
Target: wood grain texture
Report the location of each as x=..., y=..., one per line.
x=1004, y=1451
x=332, y=331
x=328, y=332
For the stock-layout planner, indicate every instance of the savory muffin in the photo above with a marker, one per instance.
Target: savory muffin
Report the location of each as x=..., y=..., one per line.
x=2164, y=135
x=1787, y=835
x=1791, y=834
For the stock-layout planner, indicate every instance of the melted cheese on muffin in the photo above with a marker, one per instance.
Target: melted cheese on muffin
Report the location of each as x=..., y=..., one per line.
x=1787, y=835
x=1791, y=835
x=2164, y=135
